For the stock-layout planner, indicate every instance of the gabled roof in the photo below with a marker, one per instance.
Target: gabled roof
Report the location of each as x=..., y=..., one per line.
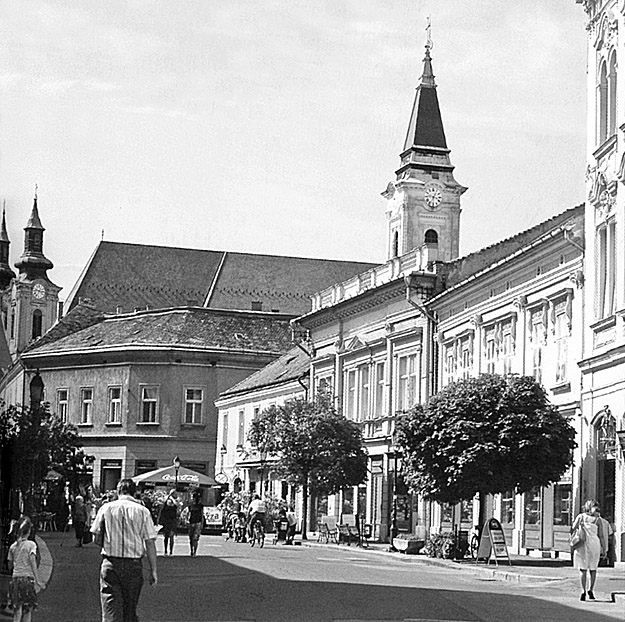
x=179, y=328
x=291, y=366
x=126, y=277
x=463, y=267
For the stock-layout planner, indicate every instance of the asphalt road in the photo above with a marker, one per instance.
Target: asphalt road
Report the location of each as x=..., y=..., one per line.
x=233, y=582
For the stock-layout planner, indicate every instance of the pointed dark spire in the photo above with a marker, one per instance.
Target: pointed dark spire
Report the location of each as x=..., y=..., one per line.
x=6, y=274
x=33, y=263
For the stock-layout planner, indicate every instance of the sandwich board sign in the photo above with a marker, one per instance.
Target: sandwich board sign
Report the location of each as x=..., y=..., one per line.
x=492, y=543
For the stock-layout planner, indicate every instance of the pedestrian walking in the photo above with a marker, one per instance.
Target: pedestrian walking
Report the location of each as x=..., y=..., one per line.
x=586, y=555
x=126, y=532
x=168, y=518
x=79, y=518
x=196, y=520
x=25, y=584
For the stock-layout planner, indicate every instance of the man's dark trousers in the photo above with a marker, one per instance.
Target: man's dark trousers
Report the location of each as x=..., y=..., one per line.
x=121, y=581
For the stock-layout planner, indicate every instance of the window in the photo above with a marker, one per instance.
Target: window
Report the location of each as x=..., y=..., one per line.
x=532, y=506
x=395, y=244
x=350, y=394
x=149, y=404
x=37, y=324
x=324, y=385
x=193, y=399
x=606, y=270
x=86, y=406
x=62, y=400
x=507, y=347
x=537, y=338
x=507, y=508
x=612, y=96
x=241, y=436
x=431, y=237
x=562, y=343
x=562, y=504
x=602, y=101
x=491, y=351
x=224, y=431
x=380, y=408
x=363, y=393
x=115, y=405
x=12, y=323
x=407, y=385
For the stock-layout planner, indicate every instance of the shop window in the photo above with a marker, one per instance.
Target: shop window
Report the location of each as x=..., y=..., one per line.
x=508, y=508
x=532, y=506
x=562, y=504
x=347, y=505
x=144, y=466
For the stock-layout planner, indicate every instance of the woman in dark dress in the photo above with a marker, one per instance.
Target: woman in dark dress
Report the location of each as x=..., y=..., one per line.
x=168, y=518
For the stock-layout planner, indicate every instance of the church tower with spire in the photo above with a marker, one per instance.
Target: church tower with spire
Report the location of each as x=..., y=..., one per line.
x=423, y=202
x=34, y=298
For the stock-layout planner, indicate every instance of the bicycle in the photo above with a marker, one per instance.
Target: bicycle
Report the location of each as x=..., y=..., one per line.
x=474, y=542
x=258, y=534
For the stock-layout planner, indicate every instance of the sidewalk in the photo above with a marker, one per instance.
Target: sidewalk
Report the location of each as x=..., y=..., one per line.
x=524, y=569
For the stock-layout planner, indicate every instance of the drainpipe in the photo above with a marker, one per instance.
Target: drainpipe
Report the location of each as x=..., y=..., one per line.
x=432, y=352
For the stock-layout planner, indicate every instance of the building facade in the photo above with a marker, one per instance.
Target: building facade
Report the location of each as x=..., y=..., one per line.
x=603, y=361
x=522, y=313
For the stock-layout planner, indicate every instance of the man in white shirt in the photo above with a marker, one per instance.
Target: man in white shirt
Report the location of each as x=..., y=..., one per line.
x=256, y=512
x=126, y=532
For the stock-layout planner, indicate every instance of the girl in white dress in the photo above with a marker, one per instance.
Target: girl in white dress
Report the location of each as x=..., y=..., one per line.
x=586, y=556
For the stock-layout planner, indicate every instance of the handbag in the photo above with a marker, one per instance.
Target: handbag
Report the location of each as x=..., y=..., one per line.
x=578, y=537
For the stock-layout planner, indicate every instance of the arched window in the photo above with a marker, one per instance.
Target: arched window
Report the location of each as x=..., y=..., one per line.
x=431, y=237
x=612, y=96
x=396, y=244
x=37, y=324
x=602, y=108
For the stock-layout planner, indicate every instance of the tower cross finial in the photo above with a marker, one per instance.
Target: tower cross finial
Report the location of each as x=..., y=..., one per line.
x=429, y=44
x=36, y=188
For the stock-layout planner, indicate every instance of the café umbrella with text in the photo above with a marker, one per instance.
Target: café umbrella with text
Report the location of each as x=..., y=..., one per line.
x=167, y=476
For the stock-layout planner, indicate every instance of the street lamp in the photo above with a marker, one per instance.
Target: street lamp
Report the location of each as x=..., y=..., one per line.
x=177, y=468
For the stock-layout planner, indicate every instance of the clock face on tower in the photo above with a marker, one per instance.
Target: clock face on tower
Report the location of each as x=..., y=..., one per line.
x=39, y=291
x=433, y=196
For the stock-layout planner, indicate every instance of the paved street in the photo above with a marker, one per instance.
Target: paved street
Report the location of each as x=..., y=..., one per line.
x=233, y=582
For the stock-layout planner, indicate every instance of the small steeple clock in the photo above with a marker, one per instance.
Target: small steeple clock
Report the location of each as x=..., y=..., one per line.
x=34, y=298
x=423, y=203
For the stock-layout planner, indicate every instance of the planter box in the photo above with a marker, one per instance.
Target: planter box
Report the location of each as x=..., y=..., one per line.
x=408, y=546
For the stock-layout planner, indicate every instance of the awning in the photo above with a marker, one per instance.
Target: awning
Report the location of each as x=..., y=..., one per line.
x=167, y=476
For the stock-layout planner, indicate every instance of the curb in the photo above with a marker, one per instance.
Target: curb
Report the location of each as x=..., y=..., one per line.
x=46, y=565
x=498, y=573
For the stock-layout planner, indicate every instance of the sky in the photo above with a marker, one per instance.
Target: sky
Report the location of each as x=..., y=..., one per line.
x=273, y=126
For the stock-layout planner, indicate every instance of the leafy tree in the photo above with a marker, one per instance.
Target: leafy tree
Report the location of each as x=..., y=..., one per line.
x=33, y=441
x=315, y=447
x=484, y=435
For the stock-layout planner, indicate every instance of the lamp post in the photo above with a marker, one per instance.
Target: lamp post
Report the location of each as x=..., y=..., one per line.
x=177, y=468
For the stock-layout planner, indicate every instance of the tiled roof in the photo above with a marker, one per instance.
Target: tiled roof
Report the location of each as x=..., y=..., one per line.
x=126, y=277
x=463, y=267
x=194, y=328
x=283, y=284
x=291, y=366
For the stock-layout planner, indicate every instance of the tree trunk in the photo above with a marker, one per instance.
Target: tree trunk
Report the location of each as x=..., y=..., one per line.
x=304, y=510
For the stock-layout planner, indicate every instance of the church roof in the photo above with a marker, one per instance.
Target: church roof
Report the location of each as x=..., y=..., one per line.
x=179, y=328
x=290, y=366
x=127, y=277
x=425, y=128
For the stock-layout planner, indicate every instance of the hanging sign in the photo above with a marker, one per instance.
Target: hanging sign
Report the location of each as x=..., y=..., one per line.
x=493, y=543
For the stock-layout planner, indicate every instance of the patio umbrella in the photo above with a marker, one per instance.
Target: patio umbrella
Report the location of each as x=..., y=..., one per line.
x=53, y=476
x=167, y=476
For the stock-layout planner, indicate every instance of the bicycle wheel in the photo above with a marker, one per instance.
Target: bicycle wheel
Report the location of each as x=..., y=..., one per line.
x=253, y=538
x=261, y=539
x=474, y=546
